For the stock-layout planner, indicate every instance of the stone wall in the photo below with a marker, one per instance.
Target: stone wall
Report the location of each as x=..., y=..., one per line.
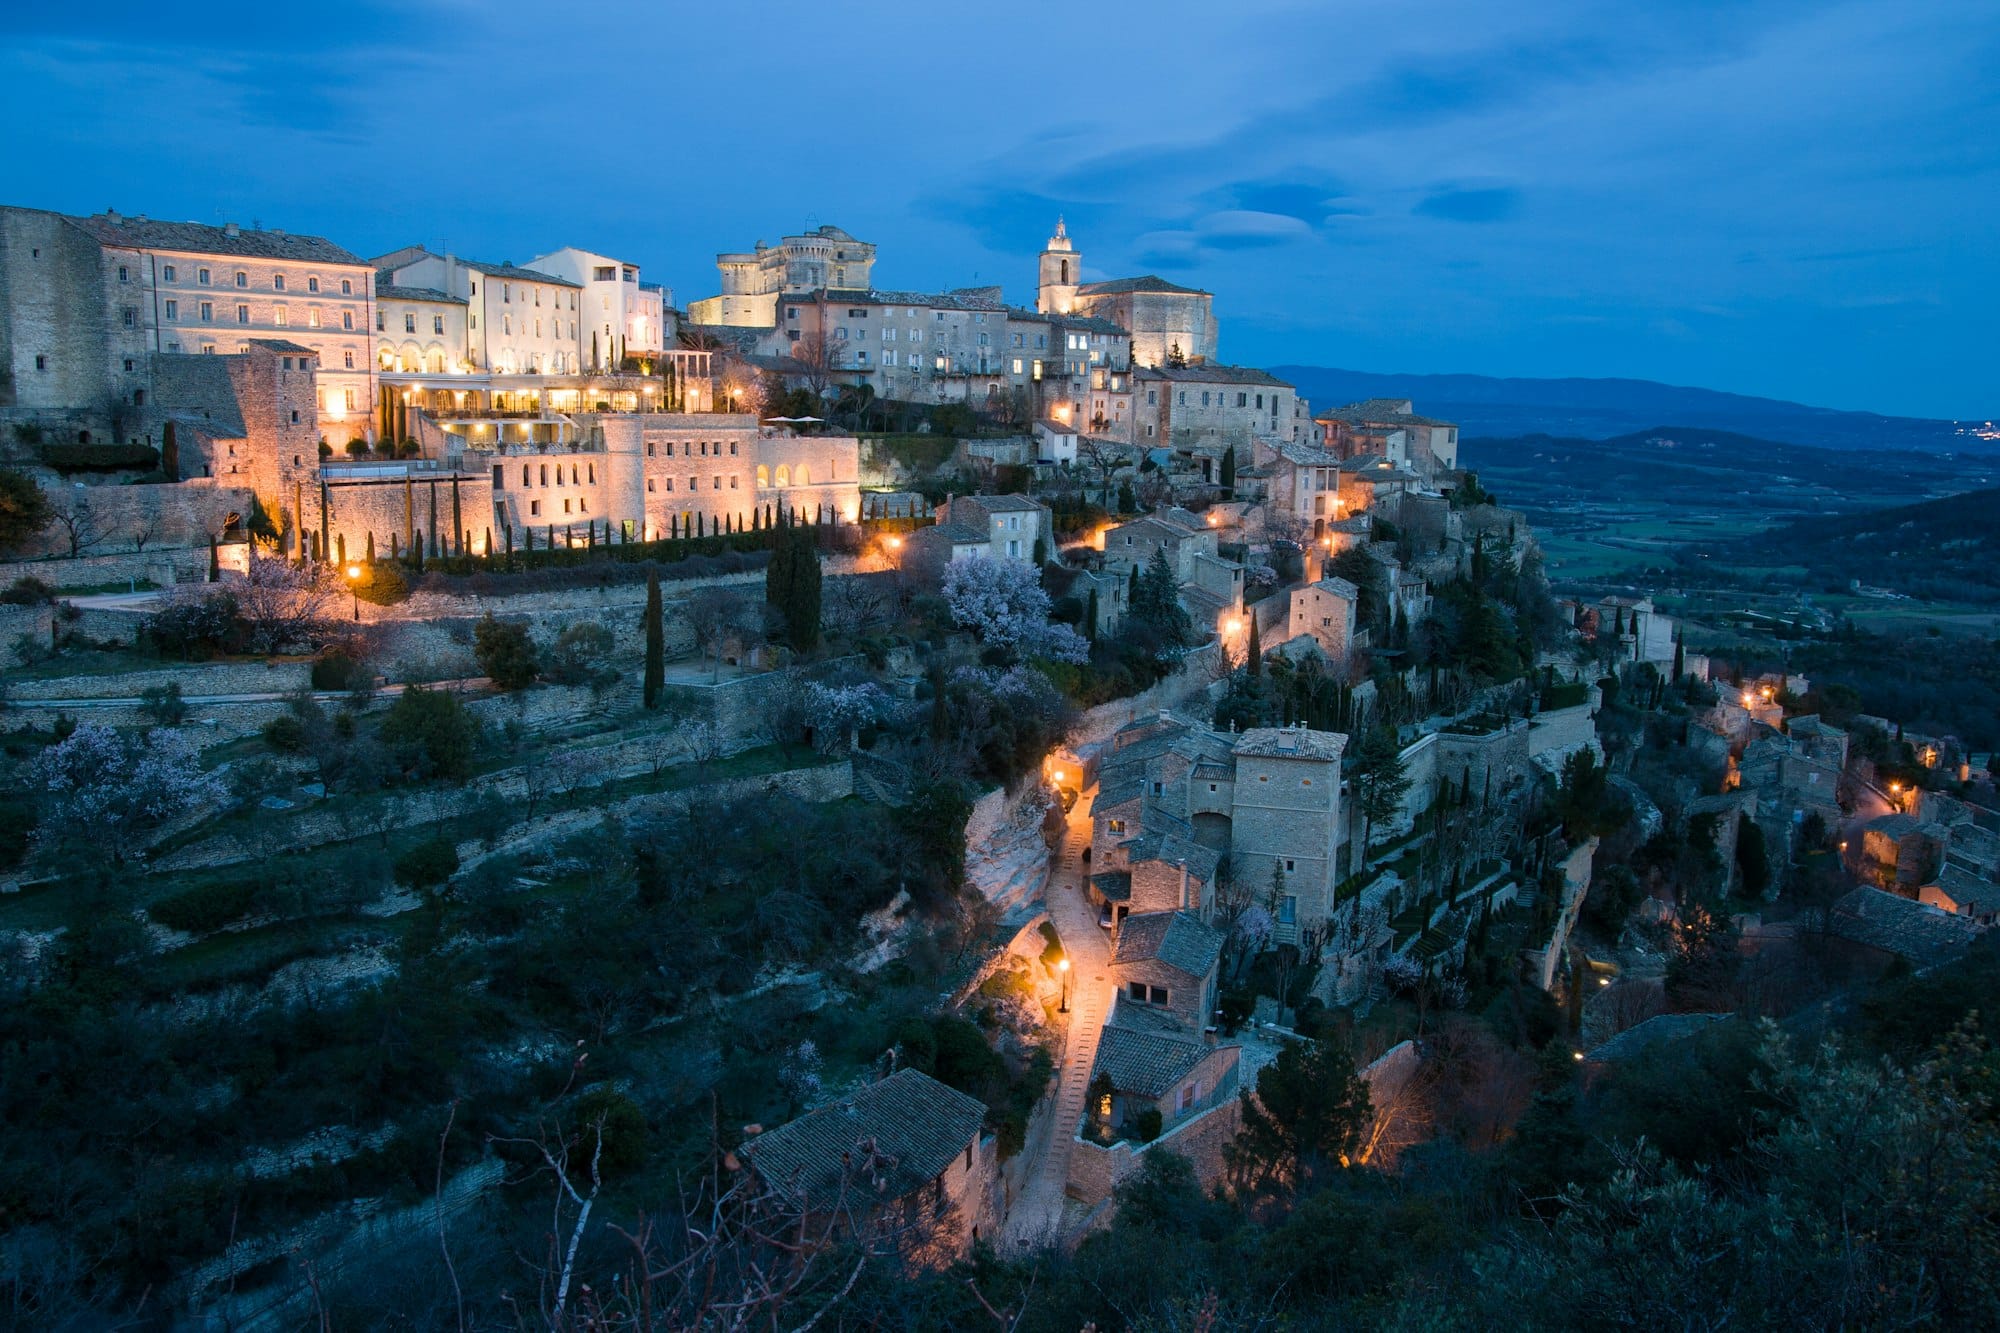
x=195, y=679
x=1095, y=1171
x=1494, y=759
x=1560, y=732
x=176, y=520
x=1191, y=688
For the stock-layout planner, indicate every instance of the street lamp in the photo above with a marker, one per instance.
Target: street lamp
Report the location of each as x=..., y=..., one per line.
x=1062, y=966
x=354, y=587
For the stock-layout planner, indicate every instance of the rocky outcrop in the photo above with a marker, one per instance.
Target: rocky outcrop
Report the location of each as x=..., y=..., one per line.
x=1006, y=853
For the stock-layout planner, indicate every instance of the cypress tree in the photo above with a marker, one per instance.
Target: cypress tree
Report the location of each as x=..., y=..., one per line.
x=1229, y=470
x=488, y=546
x=170, y=453
x=371, y=547
x=340, y=545
x=395, y=547
x=1090, y=619
x=1254, y=650
x=457, y=520
x=656, y=642
x=417, y=551
x=1680, y=656
x=214, y=562
x=528, y=534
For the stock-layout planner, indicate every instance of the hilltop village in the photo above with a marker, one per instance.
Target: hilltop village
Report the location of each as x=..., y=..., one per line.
x=484, y=740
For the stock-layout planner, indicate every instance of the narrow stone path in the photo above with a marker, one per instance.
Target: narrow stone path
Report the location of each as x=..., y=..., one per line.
x=1036, y=1217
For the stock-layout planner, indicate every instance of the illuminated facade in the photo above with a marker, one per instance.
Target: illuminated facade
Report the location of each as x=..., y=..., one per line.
x=519, y=321
x=753, y=280
x=620, y=316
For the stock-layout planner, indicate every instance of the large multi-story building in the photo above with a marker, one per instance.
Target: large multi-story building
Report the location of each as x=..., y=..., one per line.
x=621, y=316
x=1202, y=411
x=519, y=321
x=1391, y=427
x=86, y=301
x=753, y=280
x=420, y=329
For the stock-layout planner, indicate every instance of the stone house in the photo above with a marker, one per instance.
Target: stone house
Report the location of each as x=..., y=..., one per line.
x=1323, y=611
x=1202, y=411
x=905, y=1161
x=1879, y=927
x=1168, y=960
x=1153, y=1064
x=1964, y=893
x=1899, y=850
x=1210, y=588
x=1392, y=427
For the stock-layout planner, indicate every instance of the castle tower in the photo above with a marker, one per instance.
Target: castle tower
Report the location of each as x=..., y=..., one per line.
x=1060, y=275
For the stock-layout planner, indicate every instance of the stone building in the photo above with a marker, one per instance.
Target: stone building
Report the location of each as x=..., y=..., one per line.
x=1201, y=411
x=1323, y=611
x=245, y=419
x=518, y=320
x=1269, y=798
x=906, y=1162
x=86, y=303
x=1167, y=323
x=629, y=476
x=1392, y=428
x=753, y=280
x=1210, y=588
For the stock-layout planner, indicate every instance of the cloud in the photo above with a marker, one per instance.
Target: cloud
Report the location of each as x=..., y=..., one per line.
x=1245, y=229
x=1487, y=204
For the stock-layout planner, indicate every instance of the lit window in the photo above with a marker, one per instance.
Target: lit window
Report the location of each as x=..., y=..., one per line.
x=279, y=317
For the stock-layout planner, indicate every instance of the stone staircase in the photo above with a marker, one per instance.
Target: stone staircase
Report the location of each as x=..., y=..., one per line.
x=880, y=781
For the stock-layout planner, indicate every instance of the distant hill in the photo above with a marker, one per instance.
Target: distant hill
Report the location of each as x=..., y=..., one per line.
x=1713, y=469
x=1945, y=549
x=1599, y=408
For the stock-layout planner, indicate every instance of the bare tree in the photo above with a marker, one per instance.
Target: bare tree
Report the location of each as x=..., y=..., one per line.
x=144, y=528
x=853, y=602
x=283, y=604
x=1106, y=458
x=817, y=358
x=72, y=512
x=717, y=616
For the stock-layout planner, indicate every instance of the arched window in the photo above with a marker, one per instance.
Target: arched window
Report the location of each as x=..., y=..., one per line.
x=437, y=362
x=800, y=477
x=784, y=475
x=1065, y=272
x=763, y=475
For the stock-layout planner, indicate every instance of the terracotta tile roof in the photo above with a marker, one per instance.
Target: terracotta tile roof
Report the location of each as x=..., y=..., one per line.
x=1210, y=373
x=1115, y=885
x=1181, y=940
x=909, y=1118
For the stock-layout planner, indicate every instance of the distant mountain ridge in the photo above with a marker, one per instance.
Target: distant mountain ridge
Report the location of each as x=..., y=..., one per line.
x=1483, y=405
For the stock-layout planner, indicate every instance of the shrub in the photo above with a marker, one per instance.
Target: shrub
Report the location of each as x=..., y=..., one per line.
x=505, y=652
x=624, y=1131
x=337, y=669
x=1147, y=1124
x=431, y=734
x=428, y=864
x=382, y=584
x=285, y=732
x=578, y=655
x=197, y=625
x=163, y=703
x=28, y=591
x=205, y=907
x=101, y=457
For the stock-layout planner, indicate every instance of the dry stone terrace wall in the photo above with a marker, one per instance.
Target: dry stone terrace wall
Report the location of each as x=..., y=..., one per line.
x=194, y=679
x=1096, y=1171
x=334, y=820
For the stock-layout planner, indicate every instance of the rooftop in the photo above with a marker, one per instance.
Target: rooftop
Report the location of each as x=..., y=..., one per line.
x=1148, y=283
x=1911, y=930
x=1210, y=373
x=1181, y=940
x=389, y=291
x=200, y=238
x=1291, y=743
x=914, y=1124
x=1145, y=1058
x=1640, y=1038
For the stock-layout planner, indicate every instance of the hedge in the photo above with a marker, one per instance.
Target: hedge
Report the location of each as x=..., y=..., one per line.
x=101, y=457
x=204, y=907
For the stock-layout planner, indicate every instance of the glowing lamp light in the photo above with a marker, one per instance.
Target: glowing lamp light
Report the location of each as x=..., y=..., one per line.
x=895, y=543
x=1232, y=625
x=1062, y=965
x=1579, y=1056
x=354, y=571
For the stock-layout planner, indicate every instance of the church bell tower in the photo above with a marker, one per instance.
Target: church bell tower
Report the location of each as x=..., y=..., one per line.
x=1060, y=274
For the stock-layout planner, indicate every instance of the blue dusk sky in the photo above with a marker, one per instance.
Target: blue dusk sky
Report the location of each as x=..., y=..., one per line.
x=1800, y=200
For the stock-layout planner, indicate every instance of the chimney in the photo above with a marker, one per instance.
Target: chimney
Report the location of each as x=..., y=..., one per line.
x=230, y=229
x=111, y=216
